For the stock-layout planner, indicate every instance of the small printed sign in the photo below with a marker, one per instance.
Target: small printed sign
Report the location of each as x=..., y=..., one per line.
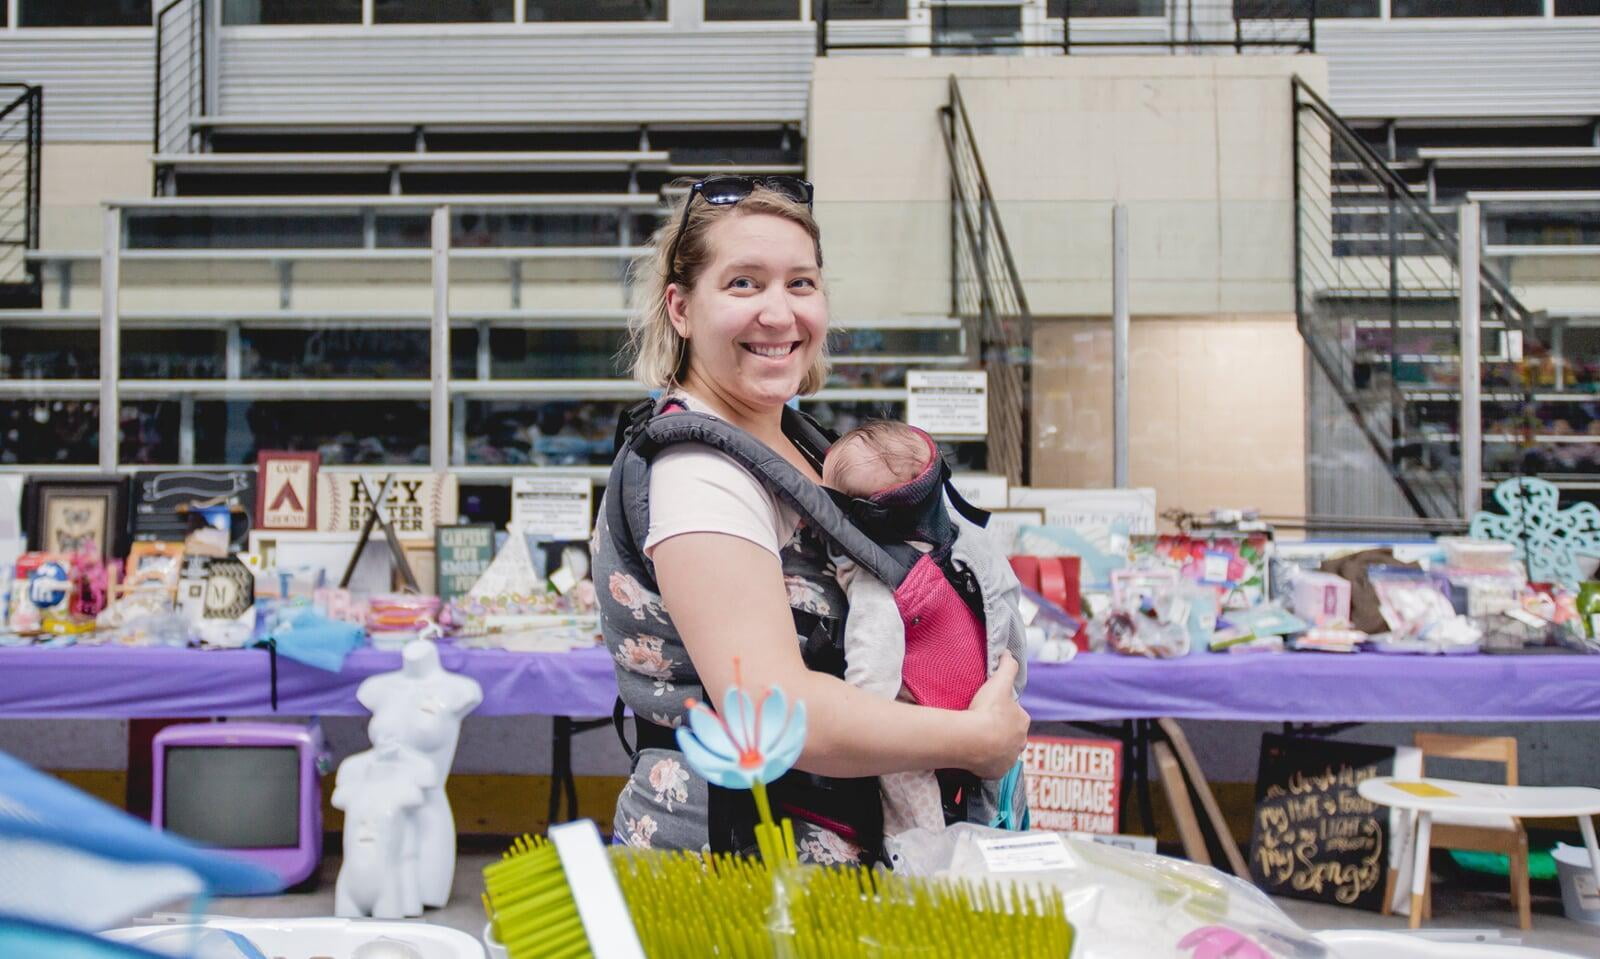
x=1074, y=785
x=948, y=403
x=462, y=555
x=286, y=490
x=553, y=507
x=1027, y=852
x=983, y=490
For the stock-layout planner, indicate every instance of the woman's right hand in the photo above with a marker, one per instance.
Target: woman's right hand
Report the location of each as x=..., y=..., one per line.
x=998, y=724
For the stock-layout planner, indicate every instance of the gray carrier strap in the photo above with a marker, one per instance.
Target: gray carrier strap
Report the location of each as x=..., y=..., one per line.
x=774, y=472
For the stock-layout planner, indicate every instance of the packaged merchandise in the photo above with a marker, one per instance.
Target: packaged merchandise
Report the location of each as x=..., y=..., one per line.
x=1322, y=599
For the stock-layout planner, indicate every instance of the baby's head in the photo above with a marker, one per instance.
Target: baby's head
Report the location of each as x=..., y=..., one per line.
x=876, y=457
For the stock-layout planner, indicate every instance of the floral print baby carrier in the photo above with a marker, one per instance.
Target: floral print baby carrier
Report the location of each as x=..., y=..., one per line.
x=654, y=675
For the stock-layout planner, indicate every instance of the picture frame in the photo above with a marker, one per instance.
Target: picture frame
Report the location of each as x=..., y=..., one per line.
x=61, y=513
x=153, y=564
x=286, y=490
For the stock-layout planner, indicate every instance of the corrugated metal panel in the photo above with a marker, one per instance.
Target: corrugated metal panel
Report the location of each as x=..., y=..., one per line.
x=95, y=87
x=658, y=74
x=1345, y=475
x=1500, y=68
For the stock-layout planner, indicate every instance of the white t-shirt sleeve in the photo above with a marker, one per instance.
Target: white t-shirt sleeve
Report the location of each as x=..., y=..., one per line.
x=695, y=489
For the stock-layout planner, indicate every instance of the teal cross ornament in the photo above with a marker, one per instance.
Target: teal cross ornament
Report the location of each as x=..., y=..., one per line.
x=1548, y=539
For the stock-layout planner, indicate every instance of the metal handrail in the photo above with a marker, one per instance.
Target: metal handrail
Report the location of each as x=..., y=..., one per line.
x=31, y=104
x=195, y=98
x=1435, y=231
x=1011, y=382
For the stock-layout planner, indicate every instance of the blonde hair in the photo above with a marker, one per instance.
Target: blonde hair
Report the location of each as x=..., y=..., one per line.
x=659, y=357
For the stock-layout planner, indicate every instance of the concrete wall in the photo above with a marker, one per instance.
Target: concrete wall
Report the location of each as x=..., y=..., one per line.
x=1197, y=148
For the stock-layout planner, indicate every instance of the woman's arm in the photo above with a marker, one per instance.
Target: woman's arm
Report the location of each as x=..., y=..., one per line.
x=727, y=598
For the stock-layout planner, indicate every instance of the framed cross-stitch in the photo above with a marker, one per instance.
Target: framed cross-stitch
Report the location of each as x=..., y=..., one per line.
x=64, y=514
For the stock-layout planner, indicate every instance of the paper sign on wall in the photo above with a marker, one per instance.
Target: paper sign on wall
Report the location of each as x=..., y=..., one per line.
x=1074, y=785
x=948, y=403
x=553, y=507
x=1132, y=509
x=983, y=490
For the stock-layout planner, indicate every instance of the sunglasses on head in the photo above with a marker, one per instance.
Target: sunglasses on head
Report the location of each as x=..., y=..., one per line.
x=728, y=190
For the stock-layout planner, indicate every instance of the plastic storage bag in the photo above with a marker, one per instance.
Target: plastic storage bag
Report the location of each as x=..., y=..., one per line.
x=1123, y=904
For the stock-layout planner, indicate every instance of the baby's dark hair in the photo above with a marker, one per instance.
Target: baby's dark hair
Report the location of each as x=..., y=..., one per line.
x=900, y=448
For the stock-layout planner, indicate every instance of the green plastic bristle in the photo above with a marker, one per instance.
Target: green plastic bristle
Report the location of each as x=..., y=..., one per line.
x=712, y=904
x=531, y=908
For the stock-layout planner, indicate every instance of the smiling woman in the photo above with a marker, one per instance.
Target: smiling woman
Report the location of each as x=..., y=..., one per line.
x=720, y=575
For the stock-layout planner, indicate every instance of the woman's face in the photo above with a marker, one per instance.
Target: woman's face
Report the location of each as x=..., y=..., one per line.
x=757, y=315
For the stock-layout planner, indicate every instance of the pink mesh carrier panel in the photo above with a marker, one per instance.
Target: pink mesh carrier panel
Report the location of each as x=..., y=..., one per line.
x=947, y=650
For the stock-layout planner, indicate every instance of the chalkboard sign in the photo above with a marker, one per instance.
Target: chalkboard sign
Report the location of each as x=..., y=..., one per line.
x=157, y=494
x=461, y=554
x=1314, y=837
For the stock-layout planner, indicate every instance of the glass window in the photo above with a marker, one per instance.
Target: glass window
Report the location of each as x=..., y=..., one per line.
x=173, y=354
x=442, y=11
x=557, y=354
x=1290, y=9
x=1578, y=8
x=83, y=13
x=560, y=433
x=343, y=431
x=582, y=10
x=860, y=9
x=1106, y=8
x=250, y=12
x=753, y=9
x=335, y=354
x=1466, y=8
x=49, y=431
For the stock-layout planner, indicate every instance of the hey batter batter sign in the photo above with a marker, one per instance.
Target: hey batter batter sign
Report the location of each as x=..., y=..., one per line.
x=1074, y=785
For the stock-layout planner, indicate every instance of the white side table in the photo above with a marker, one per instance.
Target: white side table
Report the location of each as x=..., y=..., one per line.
x=1426, y=796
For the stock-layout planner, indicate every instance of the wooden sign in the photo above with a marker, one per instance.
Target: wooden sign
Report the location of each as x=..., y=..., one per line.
x=286, y=490
x=417, y=503
x=1314, y=837
x=462, y=554
x=157, y=495
x=1074, y=785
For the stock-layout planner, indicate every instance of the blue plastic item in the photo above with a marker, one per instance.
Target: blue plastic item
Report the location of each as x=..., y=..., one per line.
x=316, y=640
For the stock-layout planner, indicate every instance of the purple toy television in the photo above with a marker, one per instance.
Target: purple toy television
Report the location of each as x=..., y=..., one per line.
x=253, y=789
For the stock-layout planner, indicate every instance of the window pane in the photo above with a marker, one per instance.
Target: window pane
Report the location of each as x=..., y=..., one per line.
x=542, y=434
x=441, y=11
x=752, y=9
x=1293, y=9
x=1467, y=8
x=596, y=10
x=84, y=13
x=1578, y=8
x=149, y=432
x=343, y=431
x=335, y=354
x=247, y=12
x=556, y=354
x=173, y=354
x=209, y=231
x=1107, y=8
x=31, y=353
x=49, y=431
x=861, y=9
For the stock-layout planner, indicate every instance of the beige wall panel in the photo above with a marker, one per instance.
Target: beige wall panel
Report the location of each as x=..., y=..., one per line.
x=1214, y=409
x=75, y=178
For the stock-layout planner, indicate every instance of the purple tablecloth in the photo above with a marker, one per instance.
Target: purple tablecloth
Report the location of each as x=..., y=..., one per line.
x=1303, y=687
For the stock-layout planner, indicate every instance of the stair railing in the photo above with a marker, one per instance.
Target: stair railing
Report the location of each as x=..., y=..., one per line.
x=1377, y=285
x=180, y=83
x=21, y=138
x=987, y=294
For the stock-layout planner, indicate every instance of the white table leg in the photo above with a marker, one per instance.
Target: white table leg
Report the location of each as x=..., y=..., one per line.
x=1402, y=860
x=1586, y=824
x=1419, y=864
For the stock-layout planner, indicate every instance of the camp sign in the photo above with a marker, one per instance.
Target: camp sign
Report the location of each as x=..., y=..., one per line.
x=1314, y=837
x=1074, y=785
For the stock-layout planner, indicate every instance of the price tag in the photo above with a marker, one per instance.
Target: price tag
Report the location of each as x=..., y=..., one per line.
x=553, y=507
x=948, y=403
x=1028, y=852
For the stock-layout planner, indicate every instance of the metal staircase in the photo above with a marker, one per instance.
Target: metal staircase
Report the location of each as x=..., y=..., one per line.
x=21, y=125
x=1378, y=290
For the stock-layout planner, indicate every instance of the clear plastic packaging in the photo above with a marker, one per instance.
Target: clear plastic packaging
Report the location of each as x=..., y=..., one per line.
x=1122, y=904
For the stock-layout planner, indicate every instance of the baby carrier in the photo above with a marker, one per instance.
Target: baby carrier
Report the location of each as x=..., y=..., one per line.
x=939, y=603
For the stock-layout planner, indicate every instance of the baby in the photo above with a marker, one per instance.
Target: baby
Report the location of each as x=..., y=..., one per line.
x=895, y=480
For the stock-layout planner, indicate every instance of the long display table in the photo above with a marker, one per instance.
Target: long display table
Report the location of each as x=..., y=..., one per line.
x=117, y=682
